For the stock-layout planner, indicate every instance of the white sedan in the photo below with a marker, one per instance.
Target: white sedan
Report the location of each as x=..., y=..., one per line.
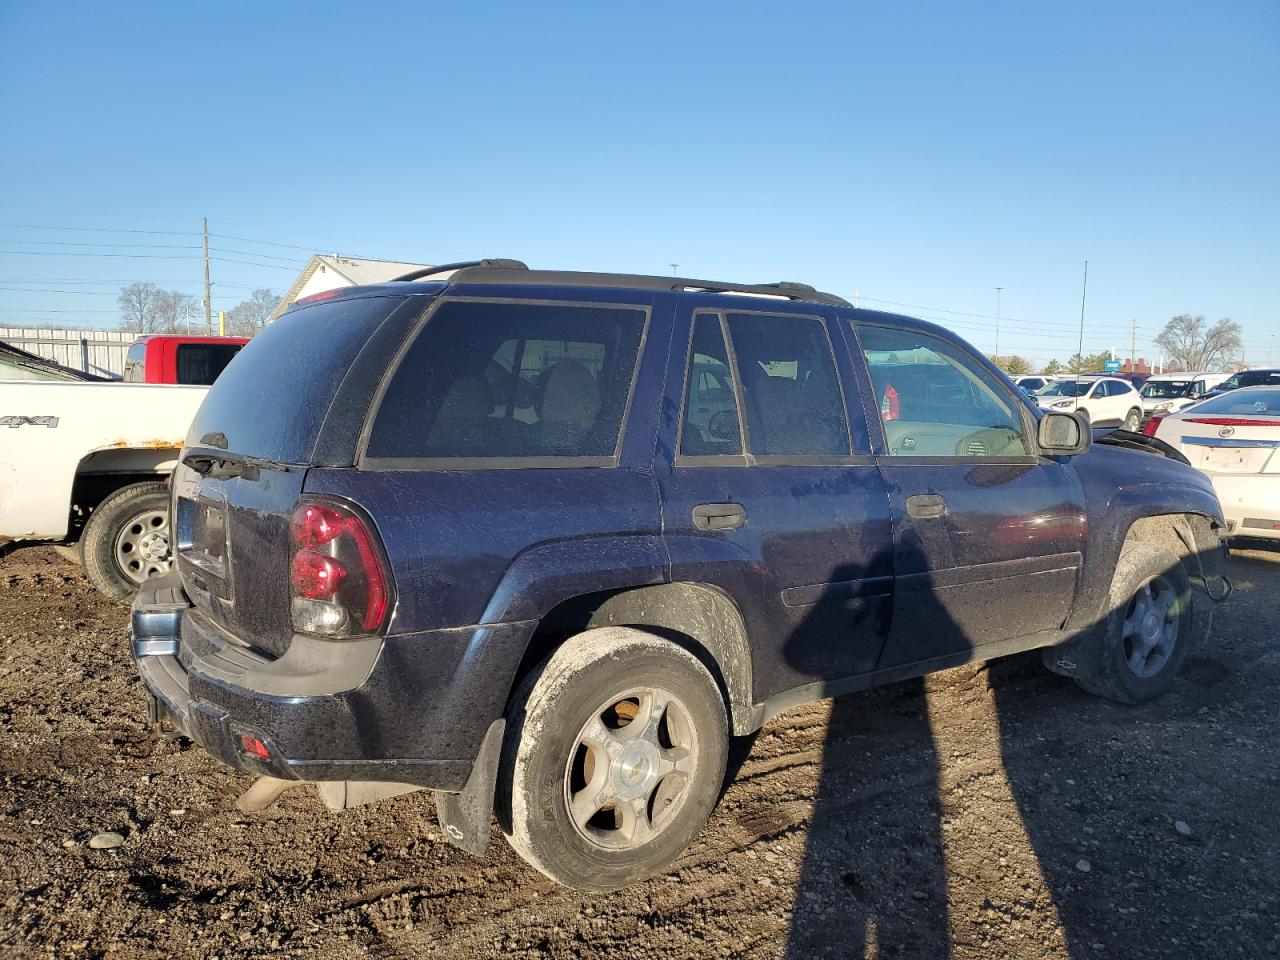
x=1235, y=439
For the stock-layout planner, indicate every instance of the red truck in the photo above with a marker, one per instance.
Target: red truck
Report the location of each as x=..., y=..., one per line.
x=179, y=359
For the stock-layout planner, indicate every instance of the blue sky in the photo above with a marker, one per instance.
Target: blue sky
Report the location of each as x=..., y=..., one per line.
x=922, y=153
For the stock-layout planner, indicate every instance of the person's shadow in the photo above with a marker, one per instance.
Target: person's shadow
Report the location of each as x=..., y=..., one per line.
x=873, y=881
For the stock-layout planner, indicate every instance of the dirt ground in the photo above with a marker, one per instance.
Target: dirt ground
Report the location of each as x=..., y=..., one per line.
x=986, y=813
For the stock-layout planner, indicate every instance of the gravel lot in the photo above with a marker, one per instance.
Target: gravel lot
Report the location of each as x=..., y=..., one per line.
x=984, y=813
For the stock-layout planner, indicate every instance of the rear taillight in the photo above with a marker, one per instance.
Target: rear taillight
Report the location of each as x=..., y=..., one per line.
x=1152, y=424
x=1235, y=421
x=337, y=576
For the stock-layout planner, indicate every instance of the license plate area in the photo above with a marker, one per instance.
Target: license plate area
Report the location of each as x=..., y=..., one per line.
x=203, y=543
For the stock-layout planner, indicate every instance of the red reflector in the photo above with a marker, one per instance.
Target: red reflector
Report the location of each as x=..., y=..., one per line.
x=1235, y=421
x=254, y=747
x=315, y=576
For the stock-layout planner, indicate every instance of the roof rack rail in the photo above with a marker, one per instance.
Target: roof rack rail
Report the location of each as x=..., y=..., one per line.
x=461, y=265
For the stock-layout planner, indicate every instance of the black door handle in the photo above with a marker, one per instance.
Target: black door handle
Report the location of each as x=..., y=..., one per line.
x=719, y=516
x=926, y=505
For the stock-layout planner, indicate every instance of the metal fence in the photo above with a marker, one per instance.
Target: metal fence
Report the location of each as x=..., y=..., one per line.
x=99, y=352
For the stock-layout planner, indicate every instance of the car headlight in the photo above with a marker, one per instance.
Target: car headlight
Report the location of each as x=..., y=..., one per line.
x=1063, y=403
x=1167, y=405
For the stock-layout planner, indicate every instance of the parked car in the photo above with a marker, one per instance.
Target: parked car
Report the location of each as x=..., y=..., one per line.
x=1235, y=439
x=541, y=542
x=1032, y=384
x=1247, y=378
x=1169, y=392
x=163, y=358
x=83, y=466
x=1103, y=400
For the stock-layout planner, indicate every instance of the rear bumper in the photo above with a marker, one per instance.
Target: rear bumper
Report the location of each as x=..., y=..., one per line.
x=413, y=708
x=1250, y=503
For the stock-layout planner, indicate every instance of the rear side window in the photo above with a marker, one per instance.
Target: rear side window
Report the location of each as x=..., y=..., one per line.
x=200, y=363
x=790, y=393
x=511, y=380
x=135, y=364
x=710, y=425
x=272, y=401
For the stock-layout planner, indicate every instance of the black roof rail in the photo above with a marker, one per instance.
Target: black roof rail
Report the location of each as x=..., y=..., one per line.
x=461, y=265
x=513, y=271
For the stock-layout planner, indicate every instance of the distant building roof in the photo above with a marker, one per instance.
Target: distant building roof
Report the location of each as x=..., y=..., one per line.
x=327, y=272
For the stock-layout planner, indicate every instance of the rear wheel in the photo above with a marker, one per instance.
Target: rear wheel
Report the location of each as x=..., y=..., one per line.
x=1140, y=645
x=1132, y=421
x=127, y=540
x=614, y=759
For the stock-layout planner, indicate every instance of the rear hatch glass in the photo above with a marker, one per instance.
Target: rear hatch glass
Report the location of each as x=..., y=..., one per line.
x=272, y=398
x=232, y=525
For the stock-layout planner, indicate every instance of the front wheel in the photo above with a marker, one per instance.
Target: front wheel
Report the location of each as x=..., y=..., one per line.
x=614, y=758
x=127, y=540
x=1141, y=643
x=1132, y=421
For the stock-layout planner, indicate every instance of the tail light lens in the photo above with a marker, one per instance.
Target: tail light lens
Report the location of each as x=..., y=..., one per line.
x=337, y=574
x=1152, y=424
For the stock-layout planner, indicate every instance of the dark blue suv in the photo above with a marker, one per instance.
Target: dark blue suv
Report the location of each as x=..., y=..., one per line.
x=542, y=542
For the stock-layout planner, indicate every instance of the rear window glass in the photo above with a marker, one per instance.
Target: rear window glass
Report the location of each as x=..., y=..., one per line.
x=511, y=380
x=200, y=363
x=271, y=402
x=1243, y=402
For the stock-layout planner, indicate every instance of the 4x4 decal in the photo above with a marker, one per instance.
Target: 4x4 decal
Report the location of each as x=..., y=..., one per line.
x=15, y=422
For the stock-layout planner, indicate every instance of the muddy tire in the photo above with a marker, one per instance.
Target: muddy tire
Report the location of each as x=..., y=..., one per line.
x=613, y=760
x=127, y=540
x=1139, y=647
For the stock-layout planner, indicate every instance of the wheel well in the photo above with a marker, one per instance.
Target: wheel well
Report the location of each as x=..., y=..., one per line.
x=697, y=617
x=1191, y=537
x=88, y=490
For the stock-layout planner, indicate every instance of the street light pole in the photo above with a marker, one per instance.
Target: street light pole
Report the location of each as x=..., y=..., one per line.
x=1084, y=292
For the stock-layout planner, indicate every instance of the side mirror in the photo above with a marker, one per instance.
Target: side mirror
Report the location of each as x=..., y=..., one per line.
x=1064, y=434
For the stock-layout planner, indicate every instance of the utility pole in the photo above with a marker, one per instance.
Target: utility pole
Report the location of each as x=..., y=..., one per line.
x=675, y=269
x=1084, y=291
x=998, y=289
x=1133, y=346
x=208, y=301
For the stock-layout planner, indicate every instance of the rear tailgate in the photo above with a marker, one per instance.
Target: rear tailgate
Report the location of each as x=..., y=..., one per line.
x=267, y=419
x=1233, y=445
x=233, y=549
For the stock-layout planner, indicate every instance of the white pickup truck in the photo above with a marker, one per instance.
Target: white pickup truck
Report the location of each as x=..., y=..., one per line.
x=83, y=466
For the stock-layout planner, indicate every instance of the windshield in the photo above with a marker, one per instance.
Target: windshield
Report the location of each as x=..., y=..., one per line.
x=1165, y=389
x=1259, y=401
x=1067, y=388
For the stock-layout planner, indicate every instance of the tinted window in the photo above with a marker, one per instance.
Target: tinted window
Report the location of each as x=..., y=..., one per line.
x=934, y=401
x=789, y=388
x=201, y=363
x=711, y=425
x=271, y=402
x=511, y=380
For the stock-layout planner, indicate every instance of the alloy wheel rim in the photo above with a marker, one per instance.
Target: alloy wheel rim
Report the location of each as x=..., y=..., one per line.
x=630, y=769
x=142, y=546
x=1150, y=630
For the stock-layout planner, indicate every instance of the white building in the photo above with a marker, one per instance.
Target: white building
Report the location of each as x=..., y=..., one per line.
x=330, y=272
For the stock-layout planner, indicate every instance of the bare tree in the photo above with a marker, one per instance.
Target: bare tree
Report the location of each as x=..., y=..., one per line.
x=172, y=308
x=1192, y=344
x=248, y=317
x=138, y=303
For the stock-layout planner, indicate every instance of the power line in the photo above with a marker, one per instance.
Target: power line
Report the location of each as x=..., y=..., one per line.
x=38, y=226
